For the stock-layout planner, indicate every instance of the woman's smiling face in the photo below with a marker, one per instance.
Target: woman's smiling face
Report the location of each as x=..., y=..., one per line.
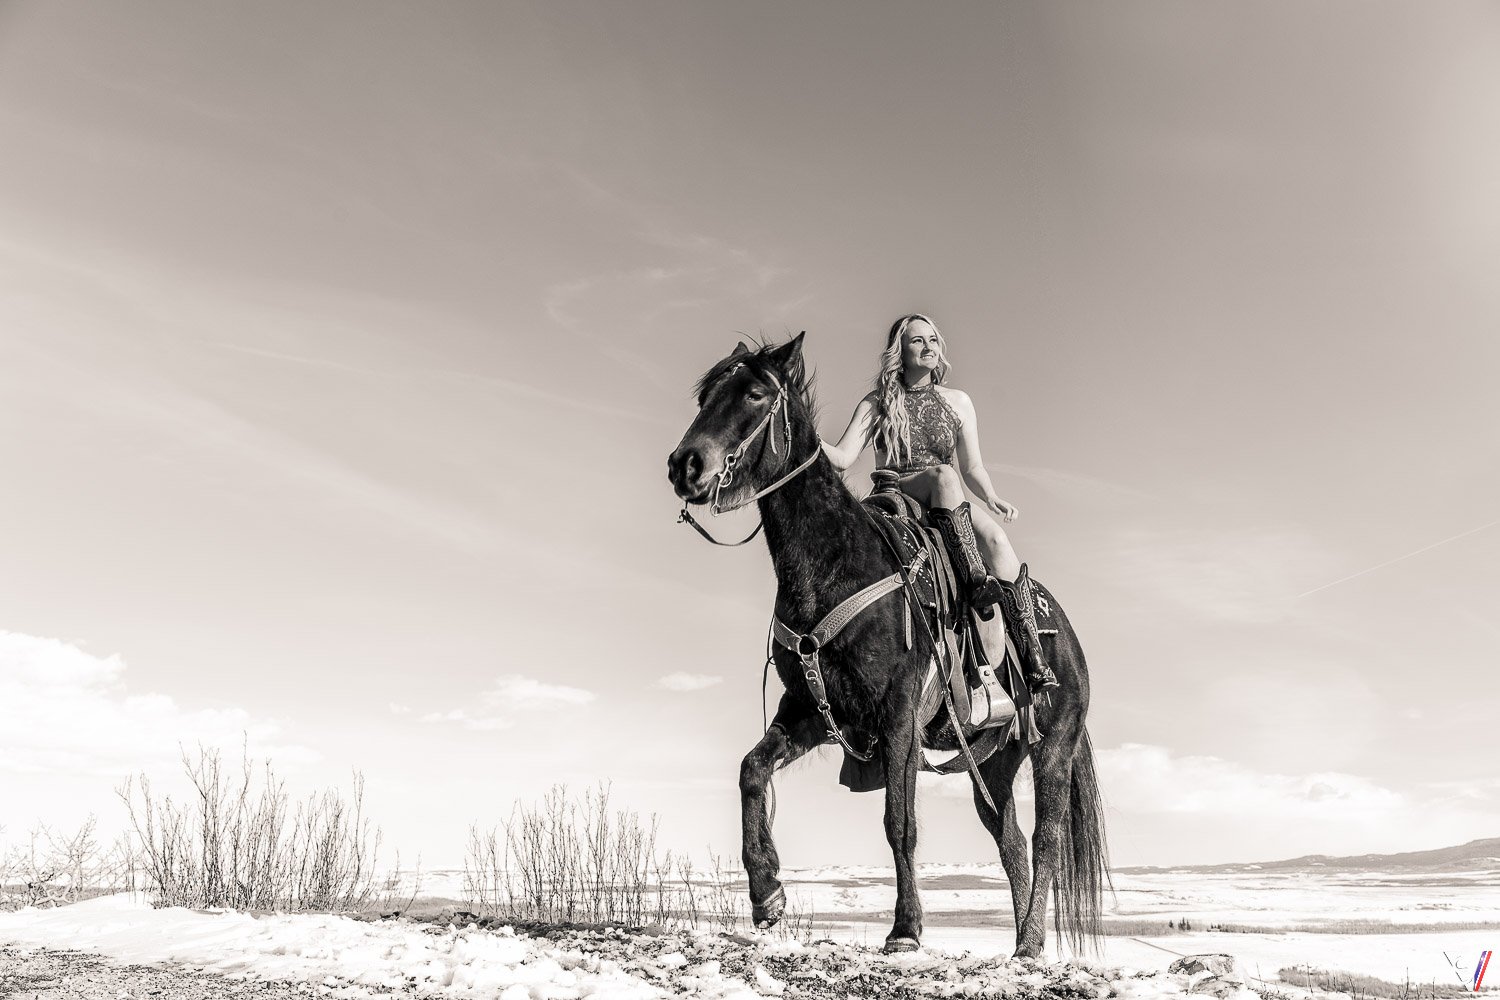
x=920, y=346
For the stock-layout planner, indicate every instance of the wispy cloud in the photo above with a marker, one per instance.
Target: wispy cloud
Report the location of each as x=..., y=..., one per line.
x=1226, y=574
x=682, y=681
x=502, y=704
x=1076, y=485
x=685, y=269
x=299, y=359
x=1401, y=558
x=512, y=387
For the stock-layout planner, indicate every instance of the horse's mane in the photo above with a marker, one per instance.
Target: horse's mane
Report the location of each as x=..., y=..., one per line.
x=798, y=380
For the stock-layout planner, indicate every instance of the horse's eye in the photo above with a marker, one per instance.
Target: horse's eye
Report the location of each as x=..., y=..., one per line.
x=755, y=395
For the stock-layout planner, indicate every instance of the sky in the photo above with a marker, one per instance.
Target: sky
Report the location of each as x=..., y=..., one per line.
x=342, y=346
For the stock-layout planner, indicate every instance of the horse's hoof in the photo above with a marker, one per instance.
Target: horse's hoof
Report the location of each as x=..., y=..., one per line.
x=898, y=944
x=768, y=911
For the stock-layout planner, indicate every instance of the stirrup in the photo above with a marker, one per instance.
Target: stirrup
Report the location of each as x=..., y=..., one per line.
x=989, y=704
x=985, y=596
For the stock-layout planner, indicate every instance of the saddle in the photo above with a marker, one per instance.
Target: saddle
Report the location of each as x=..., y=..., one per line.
x=988, y=702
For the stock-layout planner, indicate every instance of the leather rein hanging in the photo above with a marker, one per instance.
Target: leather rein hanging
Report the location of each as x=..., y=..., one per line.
x=725, y=476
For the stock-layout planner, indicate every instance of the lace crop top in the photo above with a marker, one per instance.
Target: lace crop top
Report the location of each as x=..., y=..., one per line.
x=934, y=432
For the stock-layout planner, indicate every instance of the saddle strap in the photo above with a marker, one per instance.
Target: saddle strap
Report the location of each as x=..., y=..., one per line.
x=958, y=721
x=945, y=585
x=981, y=750
x=807, y=646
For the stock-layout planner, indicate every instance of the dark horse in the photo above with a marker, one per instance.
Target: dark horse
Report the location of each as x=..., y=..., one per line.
x=755, y=408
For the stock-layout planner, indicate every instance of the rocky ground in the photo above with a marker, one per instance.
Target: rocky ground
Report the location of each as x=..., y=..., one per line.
x=27, y=974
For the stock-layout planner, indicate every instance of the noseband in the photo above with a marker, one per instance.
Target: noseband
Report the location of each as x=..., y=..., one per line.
x=725, y=476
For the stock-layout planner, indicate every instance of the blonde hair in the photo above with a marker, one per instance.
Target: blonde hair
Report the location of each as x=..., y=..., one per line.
x=892, y=427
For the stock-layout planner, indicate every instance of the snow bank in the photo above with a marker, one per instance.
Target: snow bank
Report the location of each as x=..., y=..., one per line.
x=343, y=957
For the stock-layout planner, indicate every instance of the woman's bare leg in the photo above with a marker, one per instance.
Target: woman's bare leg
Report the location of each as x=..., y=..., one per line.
x=995, y=545
x=942, y=486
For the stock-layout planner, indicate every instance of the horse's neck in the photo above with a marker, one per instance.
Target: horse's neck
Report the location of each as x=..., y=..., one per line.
x=814, y=529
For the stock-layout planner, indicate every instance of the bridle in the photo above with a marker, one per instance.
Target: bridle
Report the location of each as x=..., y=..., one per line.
x=725, y=476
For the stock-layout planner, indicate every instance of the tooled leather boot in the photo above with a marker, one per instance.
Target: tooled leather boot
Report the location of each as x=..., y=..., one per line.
x=957, y=528
x=1021, y=601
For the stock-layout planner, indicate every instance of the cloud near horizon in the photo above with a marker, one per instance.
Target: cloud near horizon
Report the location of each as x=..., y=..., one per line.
x=65, y=710
x=1168, y=808
x=1146, y=778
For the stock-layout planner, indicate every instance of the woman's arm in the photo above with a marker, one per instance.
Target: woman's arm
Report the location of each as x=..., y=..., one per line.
x=856, y=437
x=971, y=463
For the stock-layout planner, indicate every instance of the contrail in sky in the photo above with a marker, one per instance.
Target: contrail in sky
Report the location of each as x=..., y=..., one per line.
x=1388, y=562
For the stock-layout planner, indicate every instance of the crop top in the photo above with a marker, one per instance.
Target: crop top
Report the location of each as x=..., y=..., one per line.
x=934, y=432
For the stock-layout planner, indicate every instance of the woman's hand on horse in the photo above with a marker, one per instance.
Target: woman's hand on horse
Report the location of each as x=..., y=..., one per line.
x=1004, y=511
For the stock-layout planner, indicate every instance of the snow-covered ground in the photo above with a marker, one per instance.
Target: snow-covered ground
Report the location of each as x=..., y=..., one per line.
x=348, y=958
x=963, y=944
x=1420, y=906
x=962, y=902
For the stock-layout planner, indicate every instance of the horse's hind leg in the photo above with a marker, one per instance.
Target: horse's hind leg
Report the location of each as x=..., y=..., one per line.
x=790, y=735
x=999, y=774
x=1052, y=774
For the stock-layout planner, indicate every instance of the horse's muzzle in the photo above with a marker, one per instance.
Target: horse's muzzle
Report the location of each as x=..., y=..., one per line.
x=685, y=473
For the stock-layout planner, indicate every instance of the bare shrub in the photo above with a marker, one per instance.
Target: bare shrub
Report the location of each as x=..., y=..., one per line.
x=53, y=869
x=394, y=897
x=239, y=842
x=566, y=860
x=563, y=860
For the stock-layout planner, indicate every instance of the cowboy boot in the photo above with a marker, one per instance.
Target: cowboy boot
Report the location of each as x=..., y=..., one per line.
x=1022, y=600
x=957, y=529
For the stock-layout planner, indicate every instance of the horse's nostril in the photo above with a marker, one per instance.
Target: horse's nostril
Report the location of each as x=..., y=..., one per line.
x=684, y=466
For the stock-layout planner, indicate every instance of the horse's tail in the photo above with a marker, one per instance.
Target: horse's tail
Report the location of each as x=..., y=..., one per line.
x=1083, y=870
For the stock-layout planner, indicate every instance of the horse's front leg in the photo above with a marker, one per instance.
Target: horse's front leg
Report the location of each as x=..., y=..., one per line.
x=902, y=751
x=793, y=732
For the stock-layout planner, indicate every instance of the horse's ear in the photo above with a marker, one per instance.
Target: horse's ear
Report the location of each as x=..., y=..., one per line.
x=788, y=357
x=739, y=349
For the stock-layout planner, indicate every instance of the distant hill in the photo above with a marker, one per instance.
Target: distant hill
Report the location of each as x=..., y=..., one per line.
x=1474, y=854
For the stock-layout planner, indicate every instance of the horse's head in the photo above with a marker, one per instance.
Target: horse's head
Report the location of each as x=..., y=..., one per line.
x=742, y=436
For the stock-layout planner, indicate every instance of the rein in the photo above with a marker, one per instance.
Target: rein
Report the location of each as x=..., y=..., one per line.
x=725, y=476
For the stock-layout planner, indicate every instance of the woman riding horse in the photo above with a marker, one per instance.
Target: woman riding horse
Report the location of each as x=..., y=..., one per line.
x=926, y=438
x=754, y=441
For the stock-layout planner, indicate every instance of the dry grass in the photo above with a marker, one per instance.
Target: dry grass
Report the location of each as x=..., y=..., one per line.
x=574, y=860
x=398, y=890
x=1361, y=926
x=1361, y=986
x=240, y=842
